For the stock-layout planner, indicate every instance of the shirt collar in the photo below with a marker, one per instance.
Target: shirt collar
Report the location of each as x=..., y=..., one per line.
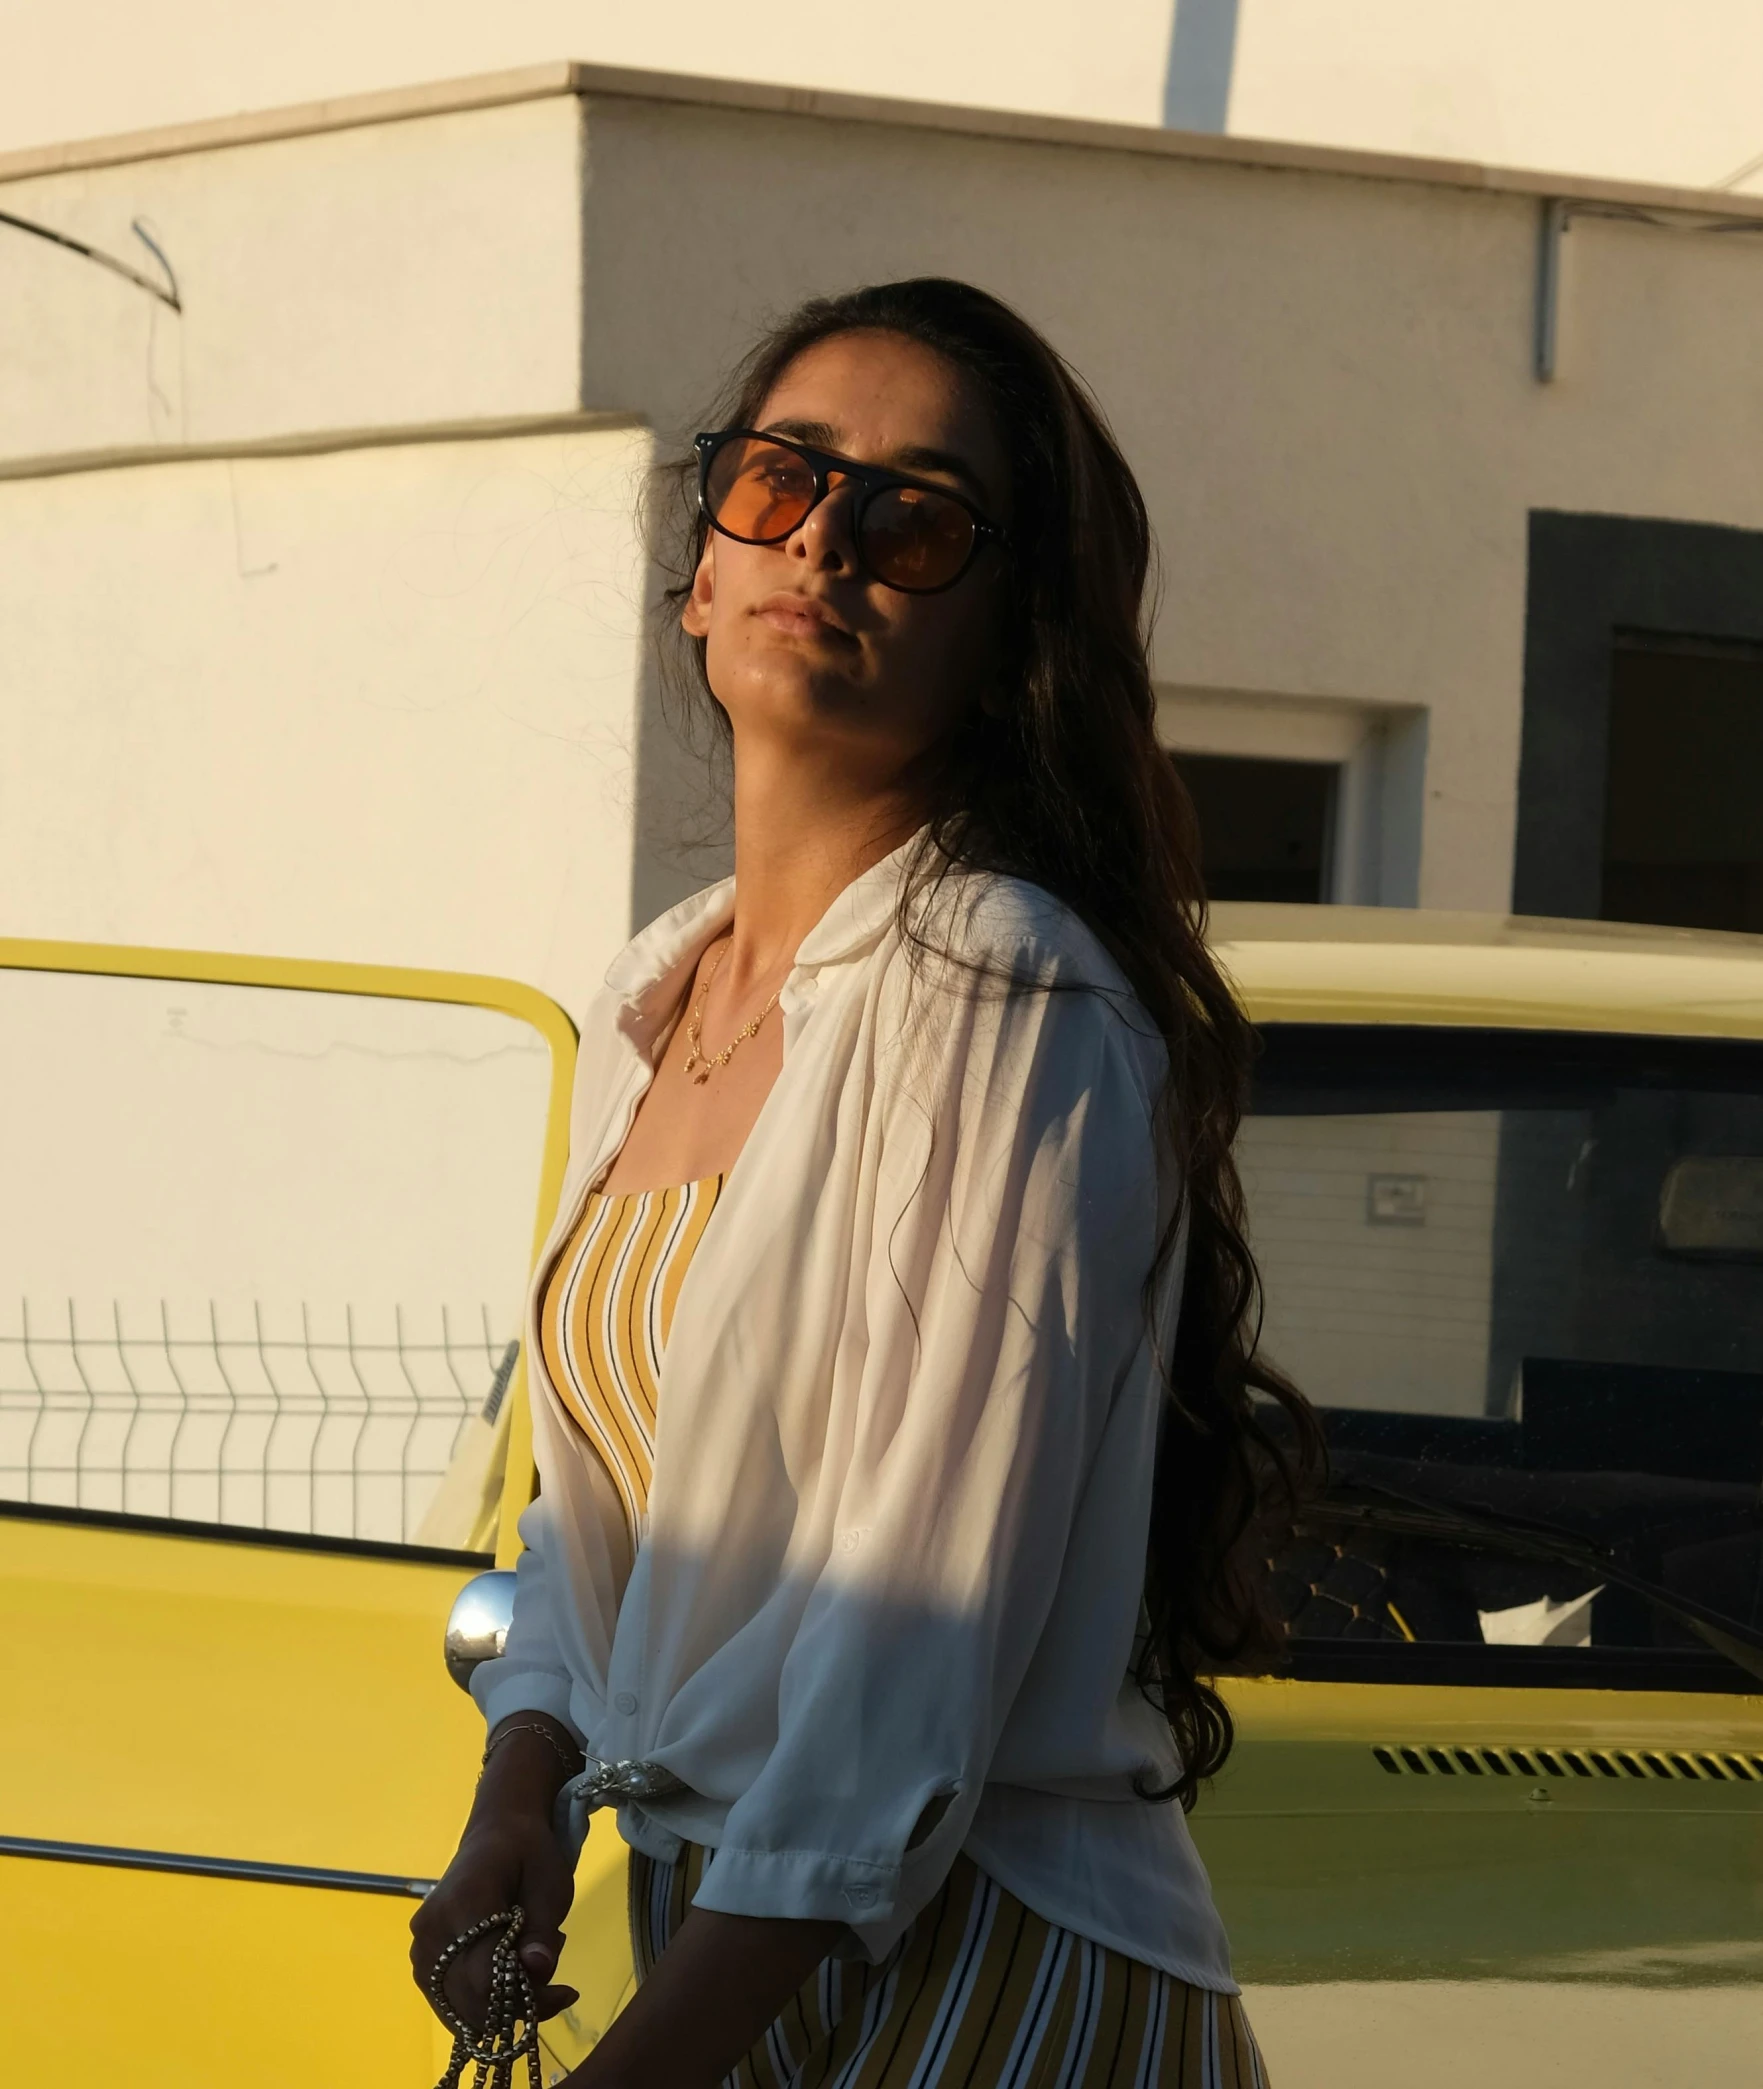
x=649, y=974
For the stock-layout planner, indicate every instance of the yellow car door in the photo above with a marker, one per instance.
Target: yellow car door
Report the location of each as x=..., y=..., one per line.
x=264, y=1236
x=1501, y=1819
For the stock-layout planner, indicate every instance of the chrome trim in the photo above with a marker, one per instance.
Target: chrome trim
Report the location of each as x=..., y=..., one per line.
x=215, y=1867
x=239, y=1534
x=477, y=1625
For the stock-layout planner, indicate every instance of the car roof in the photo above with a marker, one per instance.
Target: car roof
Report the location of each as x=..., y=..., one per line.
x=1417, y=965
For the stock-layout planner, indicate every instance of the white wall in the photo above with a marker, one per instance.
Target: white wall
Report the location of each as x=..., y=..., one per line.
x=1639, y=90
x=374, y=704
x=186, y=59
x=1324, y=382
x=397, y=273
x=1367, y=1313
x=179, y=1142
x=1648, y=90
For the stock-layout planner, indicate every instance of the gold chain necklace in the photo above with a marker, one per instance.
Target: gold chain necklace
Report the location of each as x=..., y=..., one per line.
x=699, y=1065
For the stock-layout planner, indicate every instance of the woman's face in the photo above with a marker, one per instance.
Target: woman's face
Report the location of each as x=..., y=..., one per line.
x=804, y=651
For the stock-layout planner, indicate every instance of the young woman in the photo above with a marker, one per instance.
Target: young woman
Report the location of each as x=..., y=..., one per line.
x=891, y=1354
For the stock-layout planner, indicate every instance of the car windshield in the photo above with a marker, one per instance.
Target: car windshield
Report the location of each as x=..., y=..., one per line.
x=1521, y=1274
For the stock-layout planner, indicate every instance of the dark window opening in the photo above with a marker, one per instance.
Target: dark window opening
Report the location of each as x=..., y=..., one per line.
x=1264, y=825
x=1662, y=621
x=1683, y=831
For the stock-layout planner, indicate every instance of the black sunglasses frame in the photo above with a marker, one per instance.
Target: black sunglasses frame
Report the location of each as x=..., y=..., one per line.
x=871, y=481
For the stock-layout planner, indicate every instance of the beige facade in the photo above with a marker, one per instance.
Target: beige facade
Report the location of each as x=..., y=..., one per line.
x=1640, y=90
x=1643, y=90
x=323, y=596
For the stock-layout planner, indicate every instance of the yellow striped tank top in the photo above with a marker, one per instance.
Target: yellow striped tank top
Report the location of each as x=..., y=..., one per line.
x=605, y=1317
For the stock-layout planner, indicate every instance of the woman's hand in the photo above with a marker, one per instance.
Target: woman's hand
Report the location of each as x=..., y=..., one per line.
x=711, y=1995
x=508, y=1857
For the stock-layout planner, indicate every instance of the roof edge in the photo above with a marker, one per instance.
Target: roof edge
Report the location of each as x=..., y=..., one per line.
x=566, y=77
x=317, y=442
x=296, y=120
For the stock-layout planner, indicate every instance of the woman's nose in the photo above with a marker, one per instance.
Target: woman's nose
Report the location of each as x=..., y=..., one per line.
x=827, y=534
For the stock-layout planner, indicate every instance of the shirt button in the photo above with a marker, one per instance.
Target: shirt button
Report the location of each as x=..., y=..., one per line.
x=624, y=1702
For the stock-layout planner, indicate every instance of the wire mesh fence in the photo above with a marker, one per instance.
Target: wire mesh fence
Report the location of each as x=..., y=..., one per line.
x=339, y=1424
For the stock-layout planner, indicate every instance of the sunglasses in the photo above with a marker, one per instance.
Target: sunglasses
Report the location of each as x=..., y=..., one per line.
x=910, y=535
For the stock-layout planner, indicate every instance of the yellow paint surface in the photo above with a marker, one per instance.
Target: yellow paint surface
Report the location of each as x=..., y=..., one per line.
x=1275, y=1708
x=1400, y=965
x=148, y=1981
x=231, y=1700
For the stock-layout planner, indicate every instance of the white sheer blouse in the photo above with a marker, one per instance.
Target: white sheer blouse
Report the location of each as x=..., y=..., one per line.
x=888, y=1595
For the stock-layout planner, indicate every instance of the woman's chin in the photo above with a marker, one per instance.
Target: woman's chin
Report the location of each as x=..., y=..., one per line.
x=788, y=693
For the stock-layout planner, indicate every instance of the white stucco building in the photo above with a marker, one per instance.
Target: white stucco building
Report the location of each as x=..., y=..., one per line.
x=321, y=594
x=1641, y=90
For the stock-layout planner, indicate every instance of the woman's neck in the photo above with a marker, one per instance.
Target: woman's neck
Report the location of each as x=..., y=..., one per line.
x=800, y=839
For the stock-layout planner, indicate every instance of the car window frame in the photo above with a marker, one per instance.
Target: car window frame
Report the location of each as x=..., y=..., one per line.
x=1459, y=1053
x=486, y=991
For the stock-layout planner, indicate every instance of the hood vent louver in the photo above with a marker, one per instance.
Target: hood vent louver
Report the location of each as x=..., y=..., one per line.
x=1403, y=1759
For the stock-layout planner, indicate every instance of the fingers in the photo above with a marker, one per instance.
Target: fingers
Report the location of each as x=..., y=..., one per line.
x=547, y=1887
x=467, y=1985
x=488, y=1877
x=432, y=1928
x=539, y=1955
x=426, y=1944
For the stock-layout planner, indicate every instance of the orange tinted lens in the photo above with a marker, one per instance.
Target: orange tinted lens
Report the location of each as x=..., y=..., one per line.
x=759, y=490
x=916, y=539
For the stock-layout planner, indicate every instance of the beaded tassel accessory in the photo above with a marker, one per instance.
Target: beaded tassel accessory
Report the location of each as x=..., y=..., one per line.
x=498, y=2048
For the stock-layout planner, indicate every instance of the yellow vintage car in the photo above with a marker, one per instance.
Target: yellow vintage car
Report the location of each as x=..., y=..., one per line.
x=263, y=1441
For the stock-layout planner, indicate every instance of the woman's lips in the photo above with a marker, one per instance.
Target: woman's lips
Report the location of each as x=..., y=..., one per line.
x=801, y=616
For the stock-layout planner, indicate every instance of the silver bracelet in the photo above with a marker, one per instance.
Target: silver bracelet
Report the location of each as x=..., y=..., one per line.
x=571, y=1762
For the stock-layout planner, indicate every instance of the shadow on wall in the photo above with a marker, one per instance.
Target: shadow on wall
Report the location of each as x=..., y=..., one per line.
x=684, y=836
x=1202, y=59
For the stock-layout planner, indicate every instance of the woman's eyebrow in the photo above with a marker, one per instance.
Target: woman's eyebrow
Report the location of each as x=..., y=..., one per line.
x=818, y=435
x=912, y=457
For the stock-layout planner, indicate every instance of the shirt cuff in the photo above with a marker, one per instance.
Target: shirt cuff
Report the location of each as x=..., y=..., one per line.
x=521, y=1690
x=798, y=1886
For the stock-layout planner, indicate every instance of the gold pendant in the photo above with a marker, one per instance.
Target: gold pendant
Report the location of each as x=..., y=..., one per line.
x=698, y=1080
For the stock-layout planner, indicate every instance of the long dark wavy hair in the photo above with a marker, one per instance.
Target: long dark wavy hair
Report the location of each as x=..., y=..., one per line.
x=1063, y=783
